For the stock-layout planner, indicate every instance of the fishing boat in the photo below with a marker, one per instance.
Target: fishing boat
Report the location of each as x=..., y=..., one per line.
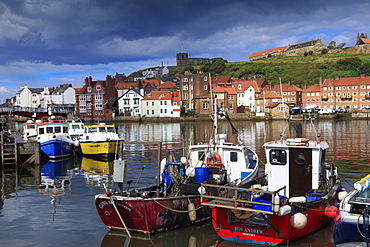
x=352, y=223
x=292, y=199
x=54, y=138
x=30, y=129
x=76, y=129
x=174, y=202
x=98, y=140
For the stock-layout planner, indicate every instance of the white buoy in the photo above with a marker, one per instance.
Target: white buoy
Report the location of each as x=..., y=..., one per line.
x=192, y=212
x=298, y=220
x=284, y=210
x=341, y=194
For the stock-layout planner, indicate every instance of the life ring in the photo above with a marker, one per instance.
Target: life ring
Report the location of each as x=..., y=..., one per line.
x=211, y=156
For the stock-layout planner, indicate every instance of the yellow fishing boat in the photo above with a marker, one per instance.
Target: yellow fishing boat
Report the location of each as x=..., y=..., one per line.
x=101, y=140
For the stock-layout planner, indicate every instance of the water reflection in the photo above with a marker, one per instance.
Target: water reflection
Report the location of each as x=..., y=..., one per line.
x=97, y=171
x=56, y=178
x=194, y=236
x=349, y=143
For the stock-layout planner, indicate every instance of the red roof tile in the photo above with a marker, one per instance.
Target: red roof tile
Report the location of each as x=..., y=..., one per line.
x=269, y=51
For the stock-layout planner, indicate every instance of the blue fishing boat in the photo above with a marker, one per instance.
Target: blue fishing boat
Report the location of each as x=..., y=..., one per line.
x=55, y=141
x=351, y=226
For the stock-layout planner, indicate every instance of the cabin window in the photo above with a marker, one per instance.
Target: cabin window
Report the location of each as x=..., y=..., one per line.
x=65, y=129
x=41, y=131
x=92, y=130
x=111, y=129
x=201, y=155
x=300, y=159
x=58, y=129
x=233, y=156
x=278, y=157
x=49, y=130
x=102, y=129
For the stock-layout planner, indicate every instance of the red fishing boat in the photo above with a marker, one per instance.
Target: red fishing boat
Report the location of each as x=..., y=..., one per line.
x=293, y=199
x=174, y=201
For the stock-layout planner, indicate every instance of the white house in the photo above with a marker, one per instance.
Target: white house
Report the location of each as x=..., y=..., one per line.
x=62, y=96
x=129, y=101
x=246, y=93
x=161, y=104
x=30, y=97
x=155, y=72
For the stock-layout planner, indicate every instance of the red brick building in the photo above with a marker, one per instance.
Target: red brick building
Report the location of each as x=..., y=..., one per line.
x=96, y=98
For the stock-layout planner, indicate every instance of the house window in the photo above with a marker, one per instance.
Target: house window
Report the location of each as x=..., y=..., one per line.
x=147, y=103
x=184, y=79
x=98, y=88
x=205, y=87
x=281, y=108
x=205, y=106
x=185, y=87
x=153, y=112
x=161, y=110
x=231, y=105
x=239, y=86
x=89, y=89
x=152, y=103
x=205, y=78
x=185, y=96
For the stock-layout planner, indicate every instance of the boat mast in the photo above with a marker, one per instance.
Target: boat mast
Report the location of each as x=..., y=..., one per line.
x=214, y=107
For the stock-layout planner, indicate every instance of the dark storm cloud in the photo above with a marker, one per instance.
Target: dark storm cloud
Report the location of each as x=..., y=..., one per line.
x=88, y=32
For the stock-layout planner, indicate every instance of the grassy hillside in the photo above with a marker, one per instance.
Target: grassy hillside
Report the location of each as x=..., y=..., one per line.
x=302, y=71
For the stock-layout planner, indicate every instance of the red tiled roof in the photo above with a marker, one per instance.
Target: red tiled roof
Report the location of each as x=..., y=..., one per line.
x=312, y=89
x=365, y=40
x=168, y=84
x=229, y=90
x=272, y=105
x=245, y=84
x=348, y=81
x=266, y=52
x=156, y=95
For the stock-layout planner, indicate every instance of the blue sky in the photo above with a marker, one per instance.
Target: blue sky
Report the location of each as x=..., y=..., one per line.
x=48, y=43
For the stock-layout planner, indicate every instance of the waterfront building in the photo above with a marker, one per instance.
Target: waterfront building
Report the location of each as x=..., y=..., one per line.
x=96, y=98
x=161, y=104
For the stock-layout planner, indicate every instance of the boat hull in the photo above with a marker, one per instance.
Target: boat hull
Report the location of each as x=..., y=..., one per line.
x=150, y=215
x=265, y=235
x=100, y=148
x=56, y=149
x=347, y=232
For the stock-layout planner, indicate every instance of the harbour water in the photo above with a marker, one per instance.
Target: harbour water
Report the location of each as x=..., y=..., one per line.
x=64, y=215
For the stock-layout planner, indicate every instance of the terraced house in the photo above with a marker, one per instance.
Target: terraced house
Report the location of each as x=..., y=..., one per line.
x=339, y=93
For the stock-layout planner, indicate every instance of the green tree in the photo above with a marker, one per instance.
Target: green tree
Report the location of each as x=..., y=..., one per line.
x=351, y=63
x=324, y=51
x=310, y=52
x=364, y=69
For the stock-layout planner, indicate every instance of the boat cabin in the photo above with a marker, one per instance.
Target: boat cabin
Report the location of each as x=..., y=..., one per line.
x=296, y=163
x=237, y=161
x=52, y=128
x=76, y=129
x=100, y=132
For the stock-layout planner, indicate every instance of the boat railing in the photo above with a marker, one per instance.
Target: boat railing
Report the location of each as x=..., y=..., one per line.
x=244, y=199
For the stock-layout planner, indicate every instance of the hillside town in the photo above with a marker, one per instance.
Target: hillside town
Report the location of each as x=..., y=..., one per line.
x=157, y=93
x=163, y=95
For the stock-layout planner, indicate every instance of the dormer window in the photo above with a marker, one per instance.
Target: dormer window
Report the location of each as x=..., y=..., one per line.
x=162, y=95
x=98, y=88
x=239, y=86
x=89, y=89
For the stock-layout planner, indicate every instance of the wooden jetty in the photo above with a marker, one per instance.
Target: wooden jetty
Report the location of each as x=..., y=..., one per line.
x=16, y=154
